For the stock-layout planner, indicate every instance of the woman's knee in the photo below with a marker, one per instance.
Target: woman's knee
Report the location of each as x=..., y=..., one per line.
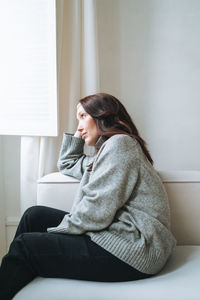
x=35, y=211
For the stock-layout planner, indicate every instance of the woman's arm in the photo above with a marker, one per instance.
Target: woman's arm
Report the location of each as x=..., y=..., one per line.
x=111, y=183
x=72, y=161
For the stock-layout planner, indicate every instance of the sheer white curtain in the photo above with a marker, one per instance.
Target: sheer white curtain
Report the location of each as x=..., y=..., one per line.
x=77, y=77
x=2, y=206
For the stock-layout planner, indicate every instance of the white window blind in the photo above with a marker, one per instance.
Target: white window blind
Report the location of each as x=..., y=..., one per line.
x=28, y=77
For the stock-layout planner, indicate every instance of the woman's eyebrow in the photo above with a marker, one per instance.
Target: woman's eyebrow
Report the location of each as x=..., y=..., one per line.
x=81, y=112
x=78, y=114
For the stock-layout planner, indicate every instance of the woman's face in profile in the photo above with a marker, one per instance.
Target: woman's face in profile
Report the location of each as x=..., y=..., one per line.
x=86, y=126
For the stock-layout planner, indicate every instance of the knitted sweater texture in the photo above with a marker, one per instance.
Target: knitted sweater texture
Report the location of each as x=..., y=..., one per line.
x=121, y=204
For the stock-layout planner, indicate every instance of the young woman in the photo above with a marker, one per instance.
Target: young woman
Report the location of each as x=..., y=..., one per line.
x=119, y=226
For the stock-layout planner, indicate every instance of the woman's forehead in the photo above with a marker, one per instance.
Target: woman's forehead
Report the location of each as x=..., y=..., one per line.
x=80, y=109
x=79, y=105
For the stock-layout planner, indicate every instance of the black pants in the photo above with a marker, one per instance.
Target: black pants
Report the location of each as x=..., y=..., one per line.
x=34, y=252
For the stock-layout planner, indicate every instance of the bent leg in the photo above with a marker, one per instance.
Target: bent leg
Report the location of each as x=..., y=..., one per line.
x=59, y=256
x=16, y=262
x=42, y=254
x=39, y=218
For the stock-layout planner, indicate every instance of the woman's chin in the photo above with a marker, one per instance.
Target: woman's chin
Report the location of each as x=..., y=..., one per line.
x=89, y=142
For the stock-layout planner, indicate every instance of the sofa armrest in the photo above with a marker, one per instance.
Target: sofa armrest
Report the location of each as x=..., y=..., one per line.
x=57, y=190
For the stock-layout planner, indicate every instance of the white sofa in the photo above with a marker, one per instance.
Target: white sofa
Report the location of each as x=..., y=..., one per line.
x=180, y=279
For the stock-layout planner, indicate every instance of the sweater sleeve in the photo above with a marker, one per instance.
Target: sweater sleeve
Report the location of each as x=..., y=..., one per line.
x=72, y=161
x=111, y=183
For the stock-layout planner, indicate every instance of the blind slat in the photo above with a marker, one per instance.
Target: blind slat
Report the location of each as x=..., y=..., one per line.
x=28, y=89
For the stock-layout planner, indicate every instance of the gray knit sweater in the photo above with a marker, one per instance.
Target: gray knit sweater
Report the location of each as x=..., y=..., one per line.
x=121, y=204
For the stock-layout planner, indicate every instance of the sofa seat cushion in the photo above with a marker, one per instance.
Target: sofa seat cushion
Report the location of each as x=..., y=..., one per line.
x=178, y=280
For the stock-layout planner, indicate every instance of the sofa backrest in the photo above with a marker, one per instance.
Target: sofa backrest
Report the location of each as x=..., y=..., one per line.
x=183, y=189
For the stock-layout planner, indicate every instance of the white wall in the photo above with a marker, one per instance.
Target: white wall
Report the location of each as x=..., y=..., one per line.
x=150, y=59
x=11, y=147
x=9, y=185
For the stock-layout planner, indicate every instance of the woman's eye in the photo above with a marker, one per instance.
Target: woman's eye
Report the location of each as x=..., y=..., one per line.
x=83, y=116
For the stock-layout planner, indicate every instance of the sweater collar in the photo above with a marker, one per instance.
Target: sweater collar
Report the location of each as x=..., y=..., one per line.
x=100, y=142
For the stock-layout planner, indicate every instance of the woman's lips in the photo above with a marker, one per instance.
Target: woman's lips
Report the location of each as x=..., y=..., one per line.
x=83, y=135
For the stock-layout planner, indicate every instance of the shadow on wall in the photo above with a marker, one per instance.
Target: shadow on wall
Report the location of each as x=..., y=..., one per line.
x=108, y=28
x=124, y=42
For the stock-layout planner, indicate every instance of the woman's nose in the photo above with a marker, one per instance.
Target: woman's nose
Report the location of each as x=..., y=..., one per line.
x=80, y=127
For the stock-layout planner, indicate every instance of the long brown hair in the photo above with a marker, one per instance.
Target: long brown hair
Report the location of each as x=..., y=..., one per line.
x=111, y=117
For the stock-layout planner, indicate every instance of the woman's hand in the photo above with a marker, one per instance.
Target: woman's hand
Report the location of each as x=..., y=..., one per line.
x=77, y=134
